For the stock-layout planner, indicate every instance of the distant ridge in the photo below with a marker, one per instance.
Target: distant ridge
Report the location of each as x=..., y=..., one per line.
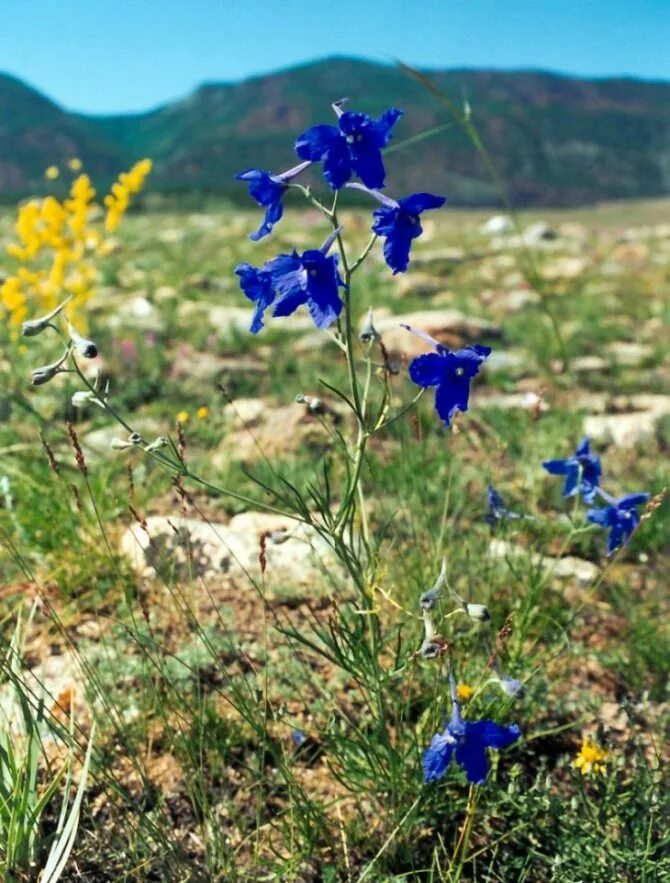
x=557, y=140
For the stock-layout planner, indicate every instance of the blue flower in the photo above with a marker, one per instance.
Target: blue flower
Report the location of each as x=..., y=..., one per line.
x=582, y=472
x=450, y=372
x=469, y=740
x=621, y=517
x=497, y=509
x=400, y=223
x=259, y=288
x=268, y=190
x=290, y=280
x=311, y=278
x=352, y=147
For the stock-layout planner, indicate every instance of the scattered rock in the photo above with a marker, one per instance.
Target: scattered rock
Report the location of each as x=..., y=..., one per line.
x=628, y=353
x=450, y=327
x=497, y=225
x=263, y=431
x=629, y=428
x=570, y=567
x=137, y=313
x=418, y=284
x=539, y=232
x=186, y=549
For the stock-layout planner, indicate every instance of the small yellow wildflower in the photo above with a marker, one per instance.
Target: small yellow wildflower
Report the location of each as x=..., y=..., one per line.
x=74, y=164
x=52, y=173
x=182, y=417
x=118, y=200
x=202, y=412
x=464, y=692
x=591, y=758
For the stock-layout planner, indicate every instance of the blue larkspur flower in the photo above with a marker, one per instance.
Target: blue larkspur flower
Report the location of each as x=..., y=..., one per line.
x=352, y=147
x=497, y=509
x=620, y=517
x=450, y=372
x=258, y=286
x=268, y=190
x=469, y=741
x=290, y=280
x=582, y=472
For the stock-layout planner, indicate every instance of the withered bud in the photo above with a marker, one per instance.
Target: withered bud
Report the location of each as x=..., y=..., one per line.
x=157, y=444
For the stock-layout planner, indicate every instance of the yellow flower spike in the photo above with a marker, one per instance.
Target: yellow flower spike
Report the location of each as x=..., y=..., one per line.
x=203, y=412
x=592, y=758
x=52, y=173
x=464, y=692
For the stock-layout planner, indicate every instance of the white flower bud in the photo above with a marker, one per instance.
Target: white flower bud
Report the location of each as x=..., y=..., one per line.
x=478, y=612
x=33, y=327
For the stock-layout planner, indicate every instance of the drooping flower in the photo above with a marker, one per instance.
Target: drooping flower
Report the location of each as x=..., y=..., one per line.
x=450, y=372
x=591, y=758
x=399, y=222
x=268, y=190
x=621, y=517
x=582, y=472
x=352, y=147
x=469, y=740
x=290, y=280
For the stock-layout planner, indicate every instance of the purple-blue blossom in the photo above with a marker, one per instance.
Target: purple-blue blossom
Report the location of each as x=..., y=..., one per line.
x=450, y=372
x=399, y=223
x=268, y=190
x=353, y=147
x=258, y=286
x=620, y=518
x=582, y=472
x=468, y=740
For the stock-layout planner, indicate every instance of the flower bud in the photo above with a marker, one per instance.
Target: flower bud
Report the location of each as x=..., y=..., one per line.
x=368, y=333
x=46, y=373
x=33, y=327
x=82, y=398
x=478, y=612
x=119, y=444
x=158, y=443
x=512, y=687
x=84, y=347
x=428, y=599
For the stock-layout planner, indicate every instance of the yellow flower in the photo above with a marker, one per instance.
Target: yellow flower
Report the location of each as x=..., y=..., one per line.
x=591, y=758
x=118, y=199
x=182, y=417
x=464, y=692
x=74, y=164
x=52, y=173
x=202, y=412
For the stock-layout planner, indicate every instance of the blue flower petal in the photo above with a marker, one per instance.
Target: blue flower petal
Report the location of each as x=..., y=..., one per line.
x=472, y=757
x=259, y=288
x=616, y=537
x=583, y=448
x=287, y=303
x=337, y=165
x=317, y=141
x=491, y=734
x=382, y=127
x=600, y=516
x=571, y=486
x=632, y=500
x=437, y=756
x=366, y=161
x=262, y=187
x=556, y=467
x=452, y=395
x=274, y=212
x=427, y=370
x=421, y=202
x=396, y=250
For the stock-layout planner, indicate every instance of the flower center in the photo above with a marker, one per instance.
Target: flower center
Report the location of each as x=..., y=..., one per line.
x=459, y=372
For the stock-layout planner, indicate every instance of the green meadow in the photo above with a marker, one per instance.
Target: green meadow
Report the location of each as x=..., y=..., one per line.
x=246, y=670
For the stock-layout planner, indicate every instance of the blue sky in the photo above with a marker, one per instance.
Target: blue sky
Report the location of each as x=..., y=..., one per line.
x=119, y=55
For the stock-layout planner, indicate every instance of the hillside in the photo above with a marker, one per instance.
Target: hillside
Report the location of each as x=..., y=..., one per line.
x=556, y=140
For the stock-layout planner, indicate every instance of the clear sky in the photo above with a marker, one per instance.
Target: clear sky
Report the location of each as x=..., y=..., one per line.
x=119, y=55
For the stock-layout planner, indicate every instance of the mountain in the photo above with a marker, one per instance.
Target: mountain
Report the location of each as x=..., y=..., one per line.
x=556, y=140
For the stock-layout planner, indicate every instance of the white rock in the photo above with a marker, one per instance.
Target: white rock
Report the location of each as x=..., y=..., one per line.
x=187, y=548
x=570, y=567
x=497, y=225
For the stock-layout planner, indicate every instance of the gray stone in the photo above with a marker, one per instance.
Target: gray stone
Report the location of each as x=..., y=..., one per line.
x=569, y=568
x=190, y=549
